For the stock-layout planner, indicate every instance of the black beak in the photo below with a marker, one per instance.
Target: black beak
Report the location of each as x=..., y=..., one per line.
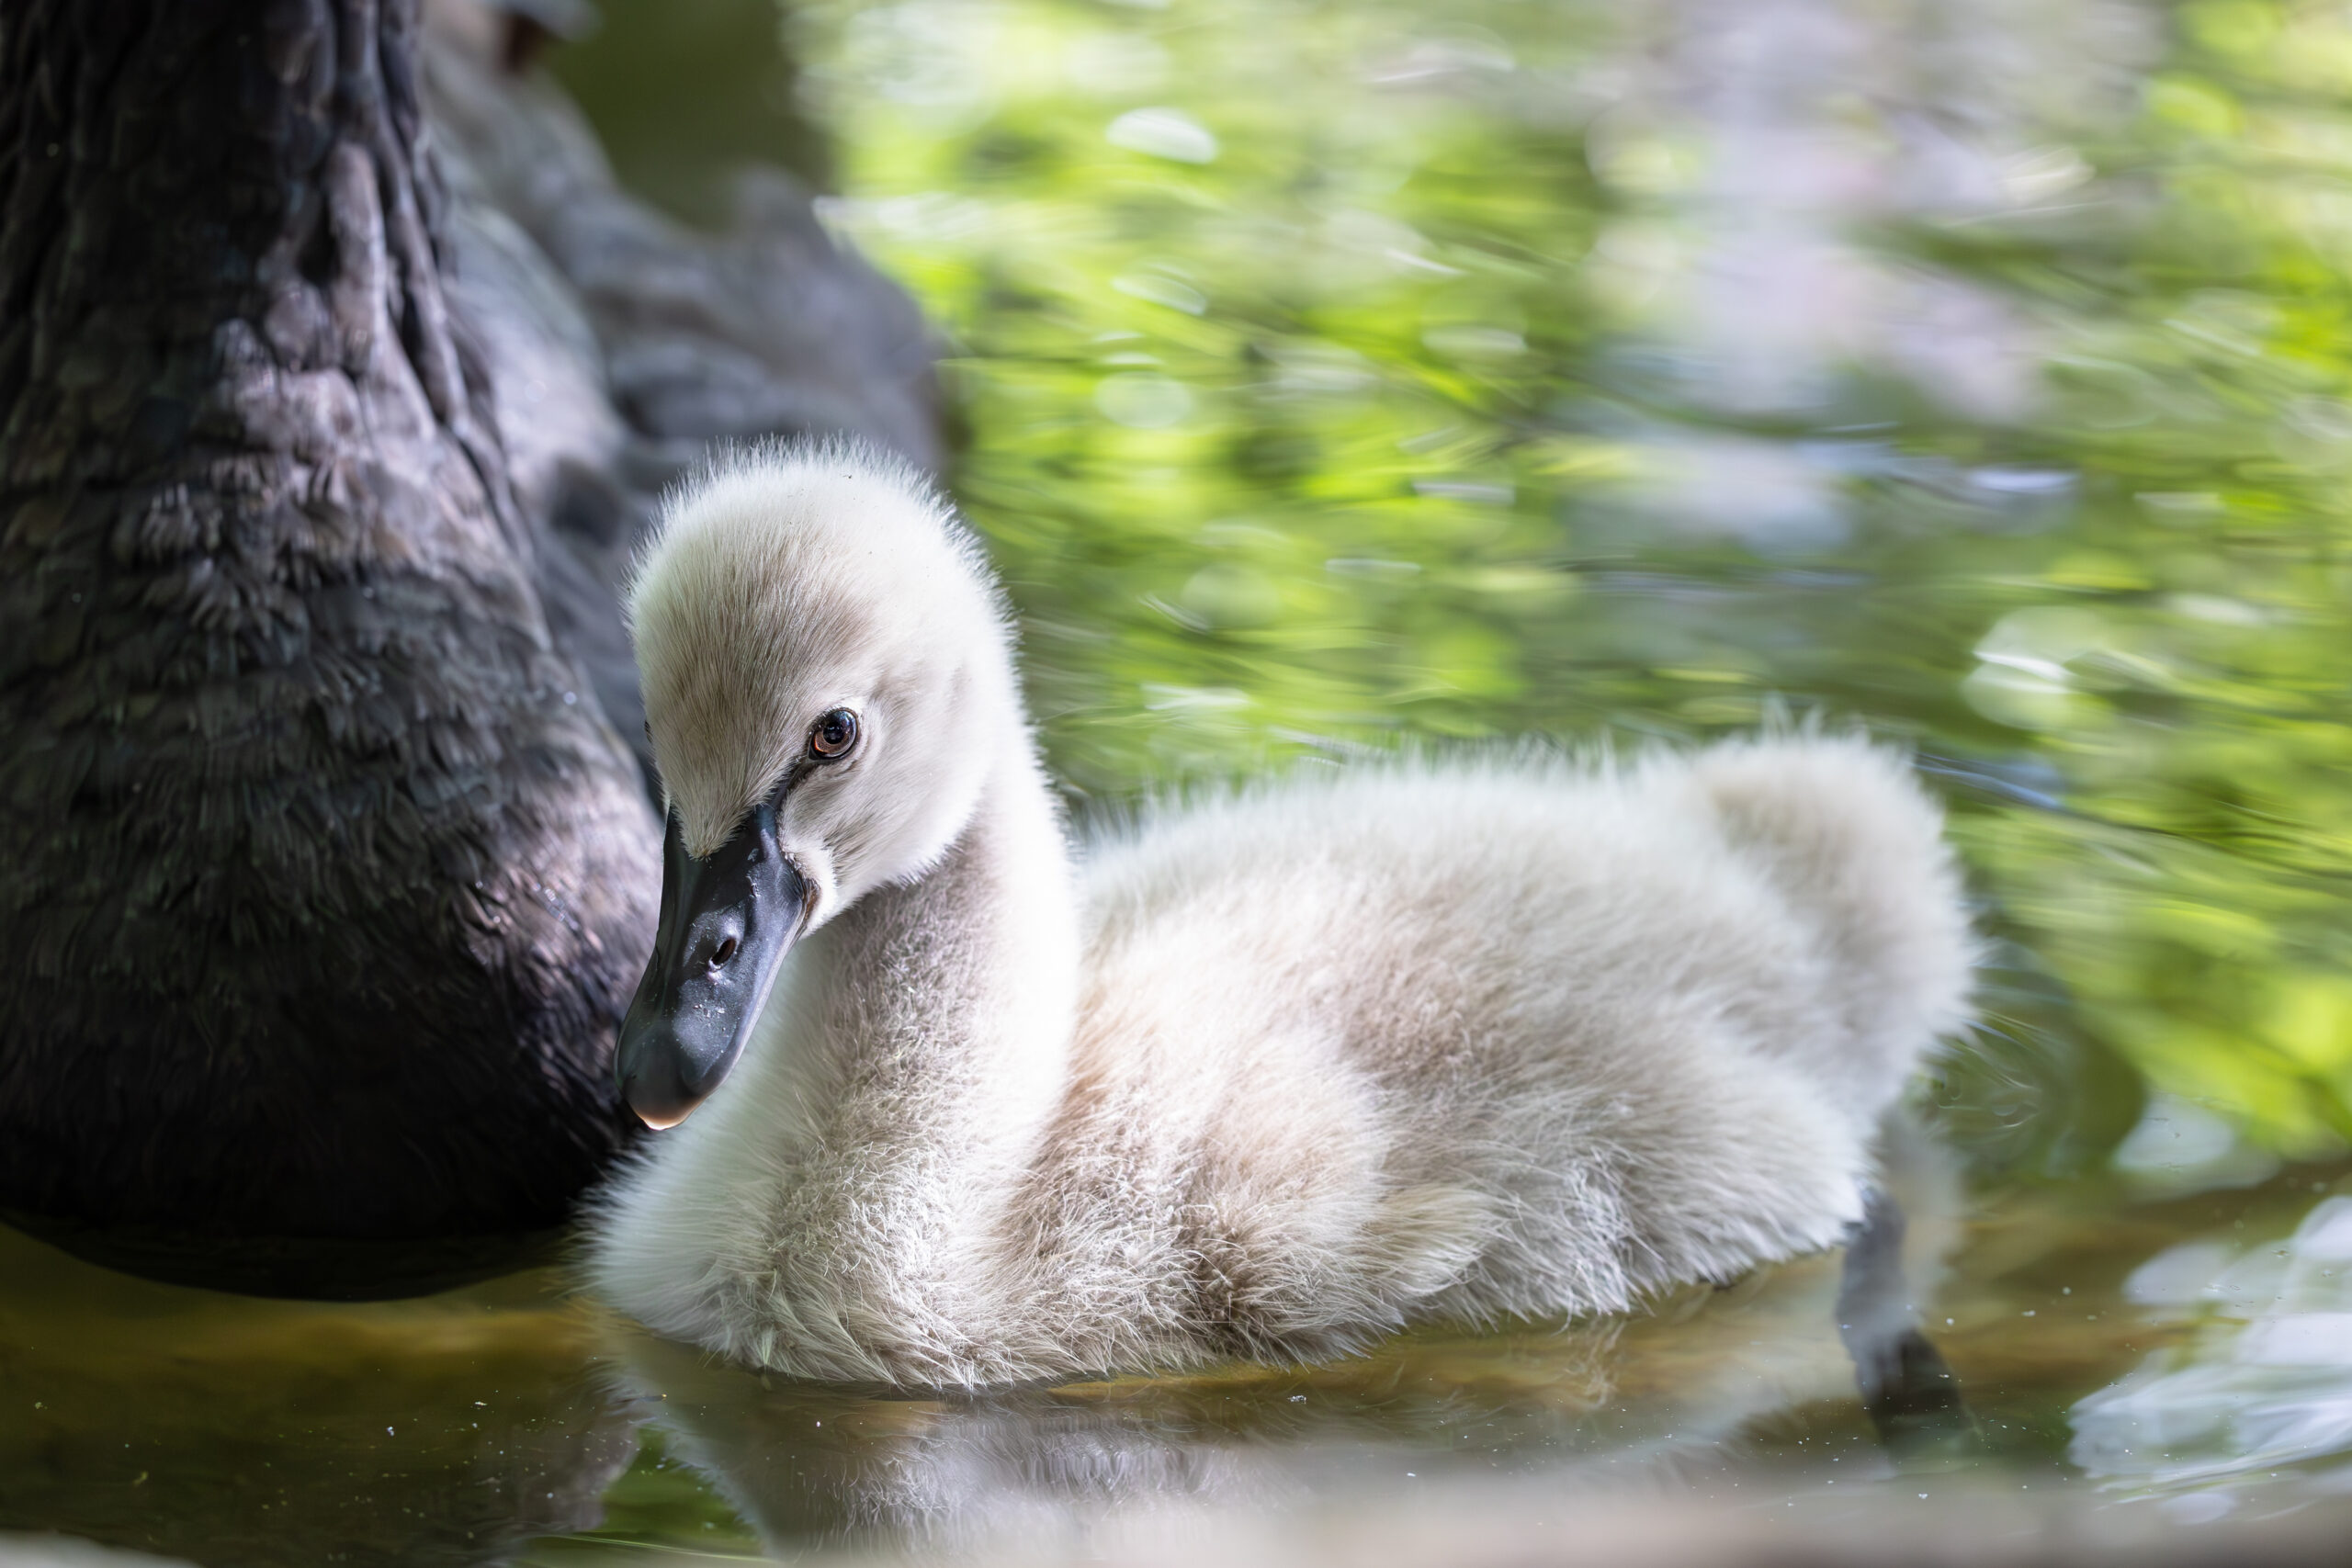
x=727, y=923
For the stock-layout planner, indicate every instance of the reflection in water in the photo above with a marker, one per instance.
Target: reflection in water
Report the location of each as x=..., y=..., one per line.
x=2179, y=1145
x=66, y=1551
x=453, y=1429
x=1646, y=1403
x=242, y=1433
x=802, y=1462
x=1746, y=173
x=1468, y=367
x=2265, y=1382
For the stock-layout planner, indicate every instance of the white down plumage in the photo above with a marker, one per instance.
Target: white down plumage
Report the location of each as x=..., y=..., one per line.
x=1264, y=1075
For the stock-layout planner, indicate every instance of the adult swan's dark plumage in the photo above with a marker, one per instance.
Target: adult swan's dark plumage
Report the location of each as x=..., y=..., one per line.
x=323, y=875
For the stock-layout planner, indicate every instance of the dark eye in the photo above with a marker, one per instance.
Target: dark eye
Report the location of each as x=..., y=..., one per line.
x=832, y=735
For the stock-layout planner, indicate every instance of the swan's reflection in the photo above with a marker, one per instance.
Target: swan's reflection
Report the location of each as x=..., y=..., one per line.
x=2265, y=1383
x=1650, y=1402
x=242, y=1433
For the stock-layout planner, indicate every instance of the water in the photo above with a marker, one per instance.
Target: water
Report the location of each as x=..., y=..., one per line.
x=1342, y=376
x=2190, y=1349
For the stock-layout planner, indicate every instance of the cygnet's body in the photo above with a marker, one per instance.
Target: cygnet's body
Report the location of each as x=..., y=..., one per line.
x=1268, y=1075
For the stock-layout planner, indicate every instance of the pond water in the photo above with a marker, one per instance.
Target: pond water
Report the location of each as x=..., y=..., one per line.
x=2117, y=1349
x=1339, y=375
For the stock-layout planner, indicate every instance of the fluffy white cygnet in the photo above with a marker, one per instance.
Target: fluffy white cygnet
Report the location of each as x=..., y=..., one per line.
x=1266, y=1075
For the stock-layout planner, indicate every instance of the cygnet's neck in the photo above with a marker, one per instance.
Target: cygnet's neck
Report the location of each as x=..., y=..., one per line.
x=896, y=1089
x=937, y=1013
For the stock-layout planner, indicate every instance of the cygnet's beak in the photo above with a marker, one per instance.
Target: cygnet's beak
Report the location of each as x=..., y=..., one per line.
x=726, y=922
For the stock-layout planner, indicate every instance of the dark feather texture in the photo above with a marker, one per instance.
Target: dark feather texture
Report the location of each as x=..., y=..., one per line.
x=322, y=879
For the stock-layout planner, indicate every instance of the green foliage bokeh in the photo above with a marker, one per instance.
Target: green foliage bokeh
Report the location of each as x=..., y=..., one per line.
x=1321, y=365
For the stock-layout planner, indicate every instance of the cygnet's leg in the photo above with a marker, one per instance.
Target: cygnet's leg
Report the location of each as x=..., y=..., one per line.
x=1908, y=1391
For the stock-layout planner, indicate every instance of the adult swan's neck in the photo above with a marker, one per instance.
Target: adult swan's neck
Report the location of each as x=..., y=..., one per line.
x=856, y=1170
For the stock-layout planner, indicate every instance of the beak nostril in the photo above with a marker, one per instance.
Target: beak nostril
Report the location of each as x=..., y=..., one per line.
x=725, y=951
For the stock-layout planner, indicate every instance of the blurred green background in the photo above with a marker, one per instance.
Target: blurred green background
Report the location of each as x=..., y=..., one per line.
x=1345, y=374
x=1333, y=378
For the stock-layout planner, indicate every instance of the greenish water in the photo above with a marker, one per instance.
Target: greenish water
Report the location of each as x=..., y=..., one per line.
x=2110, y=1350
x=1350, y=375
x=1345, y=374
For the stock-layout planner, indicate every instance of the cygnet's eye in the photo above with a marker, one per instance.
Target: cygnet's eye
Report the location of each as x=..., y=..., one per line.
x=832, y=737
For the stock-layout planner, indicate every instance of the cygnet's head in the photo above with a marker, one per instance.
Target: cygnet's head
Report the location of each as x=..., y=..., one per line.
x=828, y=682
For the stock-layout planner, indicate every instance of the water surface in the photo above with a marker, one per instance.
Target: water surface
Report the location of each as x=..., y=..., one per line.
x=1343, y=376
